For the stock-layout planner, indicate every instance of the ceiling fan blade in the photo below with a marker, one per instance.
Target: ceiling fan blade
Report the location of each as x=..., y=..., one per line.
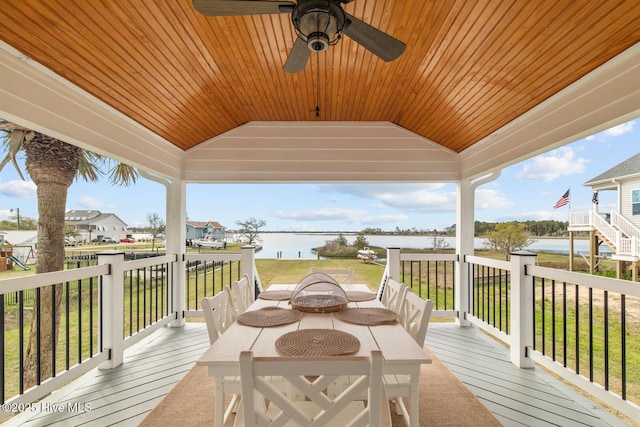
x=298, y=57
x=379, y=43
x=242, y=7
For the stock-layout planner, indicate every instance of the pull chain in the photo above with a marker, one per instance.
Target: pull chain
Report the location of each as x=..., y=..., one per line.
x=317, y=84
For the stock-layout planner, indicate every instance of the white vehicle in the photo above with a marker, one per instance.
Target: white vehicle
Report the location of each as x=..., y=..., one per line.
x=367, y=255
x=208, y=241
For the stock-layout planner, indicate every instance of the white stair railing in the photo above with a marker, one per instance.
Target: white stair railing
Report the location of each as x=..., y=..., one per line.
x=624, y=225
x=607, y=231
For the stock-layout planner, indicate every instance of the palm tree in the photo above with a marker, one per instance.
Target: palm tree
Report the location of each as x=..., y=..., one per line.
x=52, y=165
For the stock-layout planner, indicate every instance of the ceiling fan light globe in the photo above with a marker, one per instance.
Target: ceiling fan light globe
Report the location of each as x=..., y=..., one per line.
x=319, y=23
x=318, y=42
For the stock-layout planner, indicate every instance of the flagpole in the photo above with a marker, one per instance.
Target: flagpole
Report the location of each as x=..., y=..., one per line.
x=569, y=202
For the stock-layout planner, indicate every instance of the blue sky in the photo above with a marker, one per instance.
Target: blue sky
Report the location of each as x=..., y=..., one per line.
x=525, y=191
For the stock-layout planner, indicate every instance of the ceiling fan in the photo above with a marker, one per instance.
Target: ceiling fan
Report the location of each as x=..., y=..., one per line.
x=318, y=23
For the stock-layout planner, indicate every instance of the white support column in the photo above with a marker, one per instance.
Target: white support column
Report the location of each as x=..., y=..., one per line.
x=464, y=246
x=521, y=309
x=393, y=263
x=248, y=259
x=176, y=235
x=113, y=307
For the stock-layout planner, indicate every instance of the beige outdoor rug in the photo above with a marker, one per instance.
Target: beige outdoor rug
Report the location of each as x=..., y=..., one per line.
x=444, y=401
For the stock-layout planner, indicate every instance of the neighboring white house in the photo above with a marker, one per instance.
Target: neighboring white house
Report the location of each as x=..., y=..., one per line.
x=619, y=228
x=200, y=229
x=94, y=225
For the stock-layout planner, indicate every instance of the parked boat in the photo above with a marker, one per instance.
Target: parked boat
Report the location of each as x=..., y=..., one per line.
x=209, y=241
x=367, y=254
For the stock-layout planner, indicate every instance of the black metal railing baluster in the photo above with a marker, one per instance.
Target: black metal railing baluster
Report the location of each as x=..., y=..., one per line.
x=553, y=320
x=79, y=321
x=591, y=365
x=564, y=324
x=91, y=324
x=606, y=340
x=623, y=343
x=577, y=317
x=67, y=310
x=2, y=359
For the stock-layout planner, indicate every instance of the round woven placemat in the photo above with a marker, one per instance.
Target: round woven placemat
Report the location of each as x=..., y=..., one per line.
x=369, y=316
x=357, y=296
x=269, y=316
x=275, y=295
x=317, y=342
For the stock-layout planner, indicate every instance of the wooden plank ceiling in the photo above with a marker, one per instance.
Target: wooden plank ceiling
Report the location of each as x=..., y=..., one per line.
x=469, y=68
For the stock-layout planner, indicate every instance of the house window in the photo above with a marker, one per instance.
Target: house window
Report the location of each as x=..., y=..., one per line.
x=635, y=202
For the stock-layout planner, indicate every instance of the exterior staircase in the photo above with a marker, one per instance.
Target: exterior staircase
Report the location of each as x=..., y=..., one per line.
x=618, y=233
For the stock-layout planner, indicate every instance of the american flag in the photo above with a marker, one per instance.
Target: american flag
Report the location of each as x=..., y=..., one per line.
x=563, y=200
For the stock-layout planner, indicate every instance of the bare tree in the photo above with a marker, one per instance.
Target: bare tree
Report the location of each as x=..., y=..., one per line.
x=250, y=228
x=438, y=243
x=156, y=227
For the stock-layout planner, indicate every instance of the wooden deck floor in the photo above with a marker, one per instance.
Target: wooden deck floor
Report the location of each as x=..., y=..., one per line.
x=123, y=396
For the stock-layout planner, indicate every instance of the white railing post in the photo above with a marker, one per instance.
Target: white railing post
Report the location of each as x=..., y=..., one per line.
x=465, y=226
x=393, y=263
x=521, y=309
x=112, y=308
x=247, y=260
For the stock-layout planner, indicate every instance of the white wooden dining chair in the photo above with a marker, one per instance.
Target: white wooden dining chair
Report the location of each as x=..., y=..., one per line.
x=219, y=314
x=414, y=317
x=311, y=376
x=342, y=276
x=244, y=293
x=393, y=294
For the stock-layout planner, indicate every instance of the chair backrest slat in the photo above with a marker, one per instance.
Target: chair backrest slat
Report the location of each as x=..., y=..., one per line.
x=415, y=316
x=244, y=293
x=310, y=376
x=342, y=276
x=219, y=313
x=393, y=295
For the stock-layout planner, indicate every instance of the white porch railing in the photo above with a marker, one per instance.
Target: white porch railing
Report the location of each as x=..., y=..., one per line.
x=106, y=308
x=580, y=326
x=532, y=309
x=579, y=219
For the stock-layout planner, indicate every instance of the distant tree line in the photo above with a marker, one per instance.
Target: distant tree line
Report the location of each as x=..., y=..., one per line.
x=533, y=228
x=25, y=224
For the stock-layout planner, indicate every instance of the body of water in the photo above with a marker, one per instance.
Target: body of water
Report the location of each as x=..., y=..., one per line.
x=300, y=245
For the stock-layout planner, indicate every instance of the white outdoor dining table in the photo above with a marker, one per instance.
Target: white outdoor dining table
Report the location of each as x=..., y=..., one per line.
x=402, y=355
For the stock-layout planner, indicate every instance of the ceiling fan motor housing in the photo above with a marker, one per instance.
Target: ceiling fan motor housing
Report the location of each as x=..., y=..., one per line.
x=318, y=22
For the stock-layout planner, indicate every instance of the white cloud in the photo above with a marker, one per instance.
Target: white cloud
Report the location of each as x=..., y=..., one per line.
x=615, y=131
x=491, y=198
x=541, y=215
x=379, y=219
x=89, y=202
x=405, y=197
x=18, y=188
x=556, y=164
x=620, y=129
x=349, y=216
x=324, y=214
